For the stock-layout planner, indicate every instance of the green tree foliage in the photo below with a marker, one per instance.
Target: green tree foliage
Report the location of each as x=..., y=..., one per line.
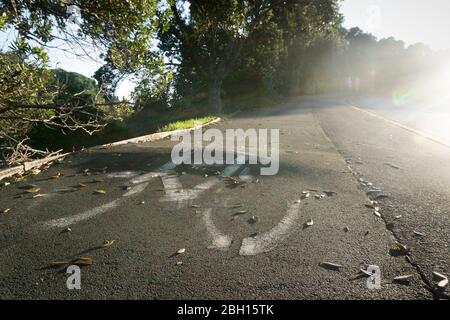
x=241, y=42
x=189, y=53
x=31, y=94
x=35, y=96
x=122, y=28
x=24, y=81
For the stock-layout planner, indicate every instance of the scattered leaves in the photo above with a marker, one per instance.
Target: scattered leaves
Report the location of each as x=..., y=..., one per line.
x=392, y=165
x=233, y=182
x=365, y=272
x=403, y=279
x=391, y=224
x=54, y=177
x=442, y=284
x=253, y=220
x=419, y=234
x=240, y=213
x=309, y=223
x=381, y=196
x=35, y=172
x=33, y=190
x=330, y=265
x=443, y=280
x=305, y=195
x=83, y=261
x=108, y=243
x=402, y=247
x=439, y=276
x=19, y=178
x=67, y=190
x=59, y=263
x=409, y=259
x=100, y=191
x=29, y=186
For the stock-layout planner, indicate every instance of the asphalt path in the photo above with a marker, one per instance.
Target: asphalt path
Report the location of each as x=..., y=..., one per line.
x=246, y=237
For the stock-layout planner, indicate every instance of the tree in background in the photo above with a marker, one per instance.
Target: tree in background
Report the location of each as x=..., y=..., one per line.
x=31, y=94
x=262, y=40
x=189, y=53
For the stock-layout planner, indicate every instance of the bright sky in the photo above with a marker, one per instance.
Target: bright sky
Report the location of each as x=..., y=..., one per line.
x=412, y=21
x=426, y=21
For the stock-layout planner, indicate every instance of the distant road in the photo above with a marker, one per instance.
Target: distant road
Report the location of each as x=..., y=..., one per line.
x=254, y=241
x=432, y=119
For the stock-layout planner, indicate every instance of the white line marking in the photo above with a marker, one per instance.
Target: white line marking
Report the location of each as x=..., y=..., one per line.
x=123, y=174
x=168, y=166
x=67, y=221
x=142, y=184
x=270, y=239
x=151, y=175
x=175, y=192
x=173, y=188
x=246, y=175
x=232, y=169
x=145, y=177
x=206, y=185
x=219, y=240
x=398, y=124
x=136, y=189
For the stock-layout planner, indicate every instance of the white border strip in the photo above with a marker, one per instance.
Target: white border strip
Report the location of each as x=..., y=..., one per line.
x=219, y=240
x=27, y=166
x=155, y=136
x=398, y=124
x=147, y=138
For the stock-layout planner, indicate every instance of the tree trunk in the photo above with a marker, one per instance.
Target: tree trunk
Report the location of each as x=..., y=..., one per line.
x=214, y=97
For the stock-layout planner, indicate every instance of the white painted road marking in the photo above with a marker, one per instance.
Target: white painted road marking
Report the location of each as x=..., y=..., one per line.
x=136, y=189
x=172, y=185
x=123, y=174
x=67, y=221
x=141, y=183
x=398, y=124
x=175, y=192
x=219, y=240
x=246, y=175
x=173, y=188
x=232, y=169
x=269, y=240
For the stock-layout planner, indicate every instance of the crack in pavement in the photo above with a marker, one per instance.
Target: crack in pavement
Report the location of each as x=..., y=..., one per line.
x=421, y=274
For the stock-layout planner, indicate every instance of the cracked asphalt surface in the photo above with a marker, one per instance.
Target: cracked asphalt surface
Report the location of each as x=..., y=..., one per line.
x=325, y=145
